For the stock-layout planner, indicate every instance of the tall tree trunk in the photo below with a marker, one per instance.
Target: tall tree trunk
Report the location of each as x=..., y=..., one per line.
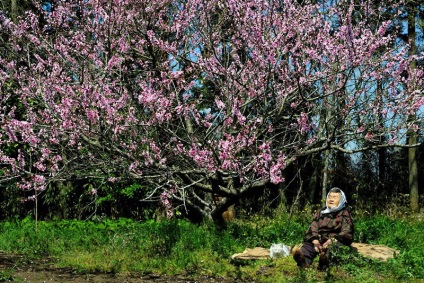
x=326, y=128
x=382, y=156
x=413, y=174
x=314, y=183
x=329, y=126
x=412, y=135
x=325, y=179
x=14, y=10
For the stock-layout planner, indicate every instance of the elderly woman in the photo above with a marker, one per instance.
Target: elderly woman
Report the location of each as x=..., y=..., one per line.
x=330, y=226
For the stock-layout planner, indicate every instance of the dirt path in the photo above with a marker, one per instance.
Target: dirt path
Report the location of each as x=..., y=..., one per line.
x=17, y=268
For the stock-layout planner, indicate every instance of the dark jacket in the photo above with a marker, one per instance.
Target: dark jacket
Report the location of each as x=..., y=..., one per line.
x=338, y=225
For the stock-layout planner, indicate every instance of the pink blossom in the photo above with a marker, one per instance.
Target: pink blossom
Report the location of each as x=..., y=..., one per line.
x=228, y=121
x=369, y=136
x=360, y=129
x=92, y=115
x=165, y=200
x=303, y=123
x=219, y=103
x=275, y=173
x=113, y=179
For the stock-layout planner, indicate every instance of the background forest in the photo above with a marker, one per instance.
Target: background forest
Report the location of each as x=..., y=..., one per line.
x=186, y=108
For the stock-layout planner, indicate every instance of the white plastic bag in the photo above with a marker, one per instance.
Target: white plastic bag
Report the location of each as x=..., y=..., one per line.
x=279, y=250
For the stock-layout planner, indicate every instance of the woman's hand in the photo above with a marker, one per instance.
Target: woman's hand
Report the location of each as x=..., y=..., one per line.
x=328, y=243
x=317, y=246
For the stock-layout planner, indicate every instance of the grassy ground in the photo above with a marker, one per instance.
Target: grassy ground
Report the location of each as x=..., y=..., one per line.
x=179, y=247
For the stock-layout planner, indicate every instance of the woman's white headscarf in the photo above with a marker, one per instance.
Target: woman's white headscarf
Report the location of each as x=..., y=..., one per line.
x=341, y=205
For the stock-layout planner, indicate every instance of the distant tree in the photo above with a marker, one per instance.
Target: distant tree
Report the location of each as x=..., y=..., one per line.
x=412, y=133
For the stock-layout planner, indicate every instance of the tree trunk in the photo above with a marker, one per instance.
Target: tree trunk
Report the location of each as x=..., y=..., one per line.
x=14, y=10
x=382, y=155
x=413, y=175
x=325, y=174
x=412, y=135
x=314, y=183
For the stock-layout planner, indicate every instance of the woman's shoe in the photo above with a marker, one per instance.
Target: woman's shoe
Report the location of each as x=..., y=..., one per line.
x=299, y=258
x=323, y=262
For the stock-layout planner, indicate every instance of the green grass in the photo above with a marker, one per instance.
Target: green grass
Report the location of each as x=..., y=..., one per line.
x=179, y=247
x=6, y=275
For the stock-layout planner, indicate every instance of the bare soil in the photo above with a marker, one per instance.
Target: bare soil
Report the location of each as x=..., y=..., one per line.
x=18, y=268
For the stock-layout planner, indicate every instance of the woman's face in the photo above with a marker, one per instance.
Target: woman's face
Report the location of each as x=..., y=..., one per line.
x=333, y=200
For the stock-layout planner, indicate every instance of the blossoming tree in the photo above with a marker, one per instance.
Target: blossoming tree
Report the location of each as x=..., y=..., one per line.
x=196, y=98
